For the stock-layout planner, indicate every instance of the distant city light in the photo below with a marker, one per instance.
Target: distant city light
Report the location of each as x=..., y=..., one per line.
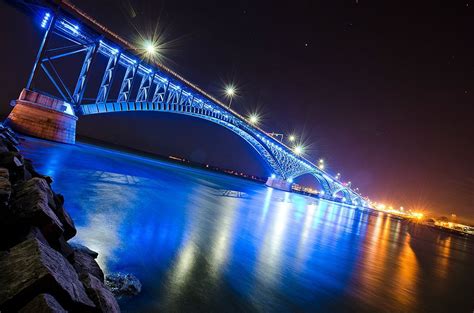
x=418, y=215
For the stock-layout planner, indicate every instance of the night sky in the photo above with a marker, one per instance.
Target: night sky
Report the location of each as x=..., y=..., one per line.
x=382, y=90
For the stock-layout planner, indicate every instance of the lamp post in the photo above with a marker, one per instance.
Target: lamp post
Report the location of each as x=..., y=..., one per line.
x=230, y=93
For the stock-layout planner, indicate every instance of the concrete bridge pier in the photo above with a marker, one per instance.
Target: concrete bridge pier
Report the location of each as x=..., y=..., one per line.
x=278, y=183
x=42, y=116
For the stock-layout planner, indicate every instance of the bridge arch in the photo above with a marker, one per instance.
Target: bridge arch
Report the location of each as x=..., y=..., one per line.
x=219, y=119
x=344, y=193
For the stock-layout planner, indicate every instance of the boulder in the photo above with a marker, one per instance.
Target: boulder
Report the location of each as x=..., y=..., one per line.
x=33, y=202
x=84, y=263
x=13, y=161
x=63, y=247
x=31, y=170
x=102, y=297
x=123, y=284
x=68, y=224
x=32, y=267
x=7, y=143
x=78, y=247
x=43, y=303
x=5, y=187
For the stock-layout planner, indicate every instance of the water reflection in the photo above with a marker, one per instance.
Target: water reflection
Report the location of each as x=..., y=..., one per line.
x=197, y=249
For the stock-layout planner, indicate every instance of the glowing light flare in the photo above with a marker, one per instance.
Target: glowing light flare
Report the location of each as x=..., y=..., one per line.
x=230, y=90
x=292, y=138
x=298, y=149
x=418, y=215
x=150, y=48
x=254, y=119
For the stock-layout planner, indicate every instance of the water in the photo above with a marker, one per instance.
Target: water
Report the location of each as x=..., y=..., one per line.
x=196, y=247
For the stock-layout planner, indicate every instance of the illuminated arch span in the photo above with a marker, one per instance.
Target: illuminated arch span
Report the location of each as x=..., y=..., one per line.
x=147, y=86
x=273, y=161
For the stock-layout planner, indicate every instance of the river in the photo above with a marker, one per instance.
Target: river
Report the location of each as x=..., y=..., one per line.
x=198, y=248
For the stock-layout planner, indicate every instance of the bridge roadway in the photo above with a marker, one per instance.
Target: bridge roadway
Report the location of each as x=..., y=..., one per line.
x=144, y=86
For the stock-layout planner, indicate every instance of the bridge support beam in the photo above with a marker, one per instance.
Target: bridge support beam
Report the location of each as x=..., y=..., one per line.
x=44, y=117
x=278, y=183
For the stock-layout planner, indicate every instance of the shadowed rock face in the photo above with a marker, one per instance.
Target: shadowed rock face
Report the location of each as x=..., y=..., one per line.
x=32, y=265
x=39, y=270
x=84, y=264
x=33, y=202
x=43, y=303
x=102, y=297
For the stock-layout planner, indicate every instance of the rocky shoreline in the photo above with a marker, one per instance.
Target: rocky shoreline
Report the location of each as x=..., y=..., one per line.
x=39, y=270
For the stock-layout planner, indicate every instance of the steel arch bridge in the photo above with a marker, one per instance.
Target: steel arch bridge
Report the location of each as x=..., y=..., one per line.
x=146, y=86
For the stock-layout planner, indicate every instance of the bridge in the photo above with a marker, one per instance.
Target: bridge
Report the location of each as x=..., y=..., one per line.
x=51, y=111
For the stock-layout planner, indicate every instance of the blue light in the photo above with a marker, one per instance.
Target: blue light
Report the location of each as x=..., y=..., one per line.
x=273, y=176
x=74, y=29
x=290, y=180
x=44, y=22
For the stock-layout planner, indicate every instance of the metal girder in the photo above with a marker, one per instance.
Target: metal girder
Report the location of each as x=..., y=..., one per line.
x=160, y=91
x=145, y=86
x=127, y=83
x=107, y=79
x=81, y=81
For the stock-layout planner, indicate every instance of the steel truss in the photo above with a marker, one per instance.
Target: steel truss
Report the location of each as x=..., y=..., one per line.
x=160, y=91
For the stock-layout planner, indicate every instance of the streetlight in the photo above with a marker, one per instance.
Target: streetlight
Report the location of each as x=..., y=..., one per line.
x=292, y=138
x=298, y=150
x=338, y=175
x=254, y=118
x=230, y=93
x=321, y=164
x=150, y=48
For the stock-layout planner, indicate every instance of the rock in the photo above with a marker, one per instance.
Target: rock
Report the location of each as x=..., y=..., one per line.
x=64, y=248
x=32, y=267
x=9, y=143
x=5, y=187
x=10, y=135
x=32, y=203
x=43, y=303
x=123, y=284
x=102, y=297
x=13, y=161
x=78, y=247
x=29, y=167
x=85, y=263
x=68, y=224
x=35, y=233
